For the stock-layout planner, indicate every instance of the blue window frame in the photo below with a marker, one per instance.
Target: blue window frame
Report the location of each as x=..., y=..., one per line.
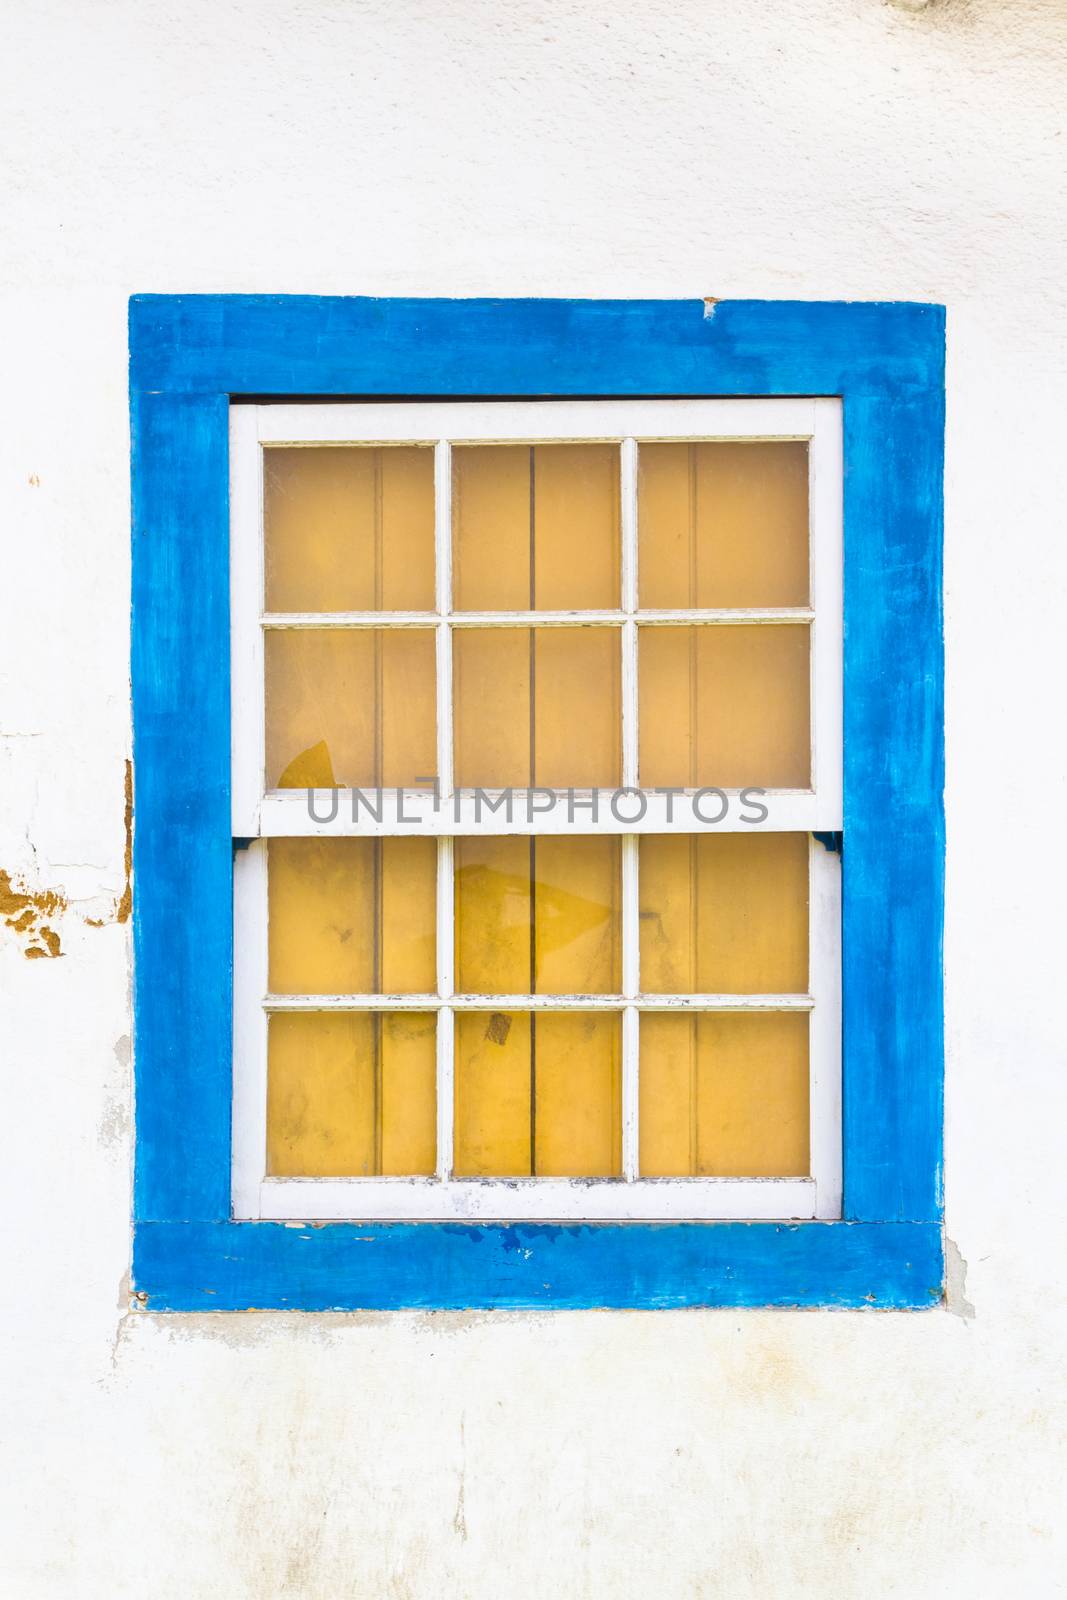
x=189, y=355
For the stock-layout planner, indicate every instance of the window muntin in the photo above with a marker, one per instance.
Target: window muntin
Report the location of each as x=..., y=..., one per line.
x=641, y=680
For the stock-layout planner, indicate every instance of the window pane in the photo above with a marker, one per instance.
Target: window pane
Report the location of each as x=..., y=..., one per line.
x=723, y=524
x=537, y=1095
x=537, y=916
x=724, y=1094
x=351, y=1094
x=536, y=706
x=349, y=529
x=535, y=527
x=352, y=916
x=724, y=913
x=725, y=705
x=350, y=707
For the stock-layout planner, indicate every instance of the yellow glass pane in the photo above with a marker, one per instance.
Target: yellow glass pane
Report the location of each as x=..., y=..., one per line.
x=493, y=916
x=407, y=1115
x=724, y=913
x=560, y=893
x=577, y=934
x=407, y=900
x=351, y=1094
x=535, y=527
x=493, y=1092
x=352, y=916
x=723, y=524
x=724, y=1094
x=537, y=1095
x=577, y=721
x=491, y=567
x=578, y=1105
x=349, y=529
x=725, y=705
x=491, y=672
x=536, y=707
x=350, y=707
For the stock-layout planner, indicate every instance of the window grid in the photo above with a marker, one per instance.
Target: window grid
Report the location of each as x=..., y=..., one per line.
x=817, y=1195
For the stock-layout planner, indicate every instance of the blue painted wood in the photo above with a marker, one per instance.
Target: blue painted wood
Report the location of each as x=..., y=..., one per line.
x=304, y=344
x=393, y=1266
x=893, y=862
x=182, y=868
x=188, y=354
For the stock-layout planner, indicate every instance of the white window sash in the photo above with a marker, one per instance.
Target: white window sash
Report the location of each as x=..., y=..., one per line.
x=258, y=816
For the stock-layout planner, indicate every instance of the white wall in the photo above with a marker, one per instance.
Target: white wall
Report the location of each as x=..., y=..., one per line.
x=813, y=148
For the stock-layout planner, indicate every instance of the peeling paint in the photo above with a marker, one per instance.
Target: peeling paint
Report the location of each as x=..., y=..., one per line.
x=124, y=903
x=29, y=913
x=956, y=1300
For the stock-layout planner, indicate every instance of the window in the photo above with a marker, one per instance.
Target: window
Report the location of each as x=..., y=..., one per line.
x=584, y=1060
x=573, y=929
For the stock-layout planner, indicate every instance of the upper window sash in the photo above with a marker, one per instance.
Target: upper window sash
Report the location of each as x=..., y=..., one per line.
x=257, y=812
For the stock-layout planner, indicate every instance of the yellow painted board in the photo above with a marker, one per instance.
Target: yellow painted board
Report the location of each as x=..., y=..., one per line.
x=351, y=916
x=408, y=700
x=576, y=527
x=574, y=741
x=321, y=1073
x=573, y=911
x=491, y=527
x=577, y=716
x=491, y=1135
x=492, y=915
x=408, y=1094
x=577, y=1077
x=321, y=921
x=725, y=706
x=491, y=678
x=350, y=1094
x=724, y=913
x=724, y=1094
x=407, y=915
x=723, y=524
x=535, y=527
x=349, y=707
x=577, y=933
x=564, y=1068
x=349, y=528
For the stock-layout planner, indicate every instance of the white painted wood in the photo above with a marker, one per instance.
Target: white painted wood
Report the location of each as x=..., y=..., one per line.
x=628, y=666
x=546, y=1199
x=443, y=590
x=285, y=813
x=485, y=422
x=538, y=1002
x=825, y=471
x=631, y=982
x=724, y=1002
x=737, y=617
x=446, y=1095
x=628, y=523
x=247, y=719
x=824, y=960
x=631, y=1132
x=631, y=917
x=443, y=815
x=250, y=1020
x=446, y=1042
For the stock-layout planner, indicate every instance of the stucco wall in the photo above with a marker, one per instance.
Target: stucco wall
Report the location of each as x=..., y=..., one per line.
x=813, y=148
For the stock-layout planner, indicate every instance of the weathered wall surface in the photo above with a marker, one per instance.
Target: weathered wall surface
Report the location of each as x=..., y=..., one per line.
x=814, y=148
